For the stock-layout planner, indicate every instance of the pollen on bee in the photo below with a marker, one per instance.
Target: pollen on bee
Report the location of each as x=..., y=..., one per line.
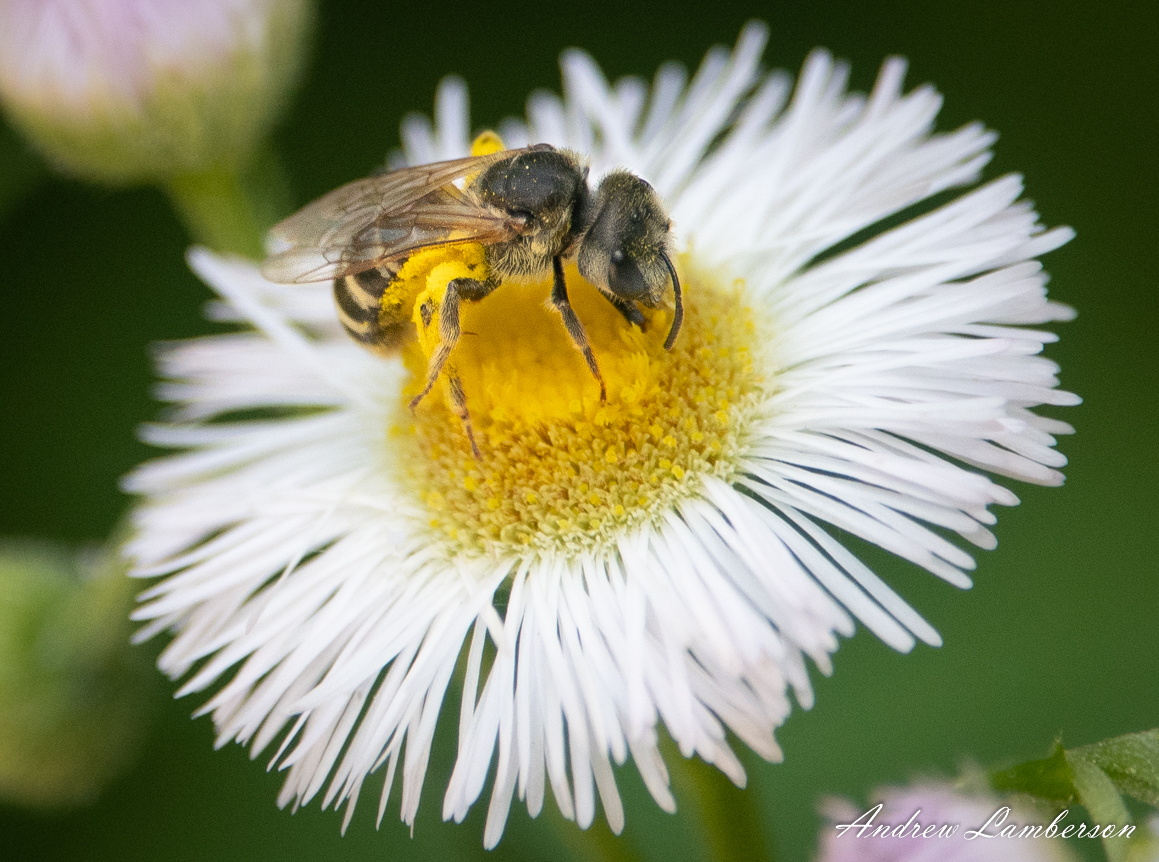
x=486, y=143
x=560, y=470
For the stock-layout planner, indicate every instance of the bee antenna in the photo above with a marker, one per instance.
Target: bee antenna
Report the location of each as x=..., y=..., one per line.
x=678, y=315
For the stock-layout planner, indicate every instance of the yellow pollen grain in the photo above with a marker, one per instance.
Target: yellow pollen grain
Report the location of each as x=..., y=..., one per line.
x=559, y=470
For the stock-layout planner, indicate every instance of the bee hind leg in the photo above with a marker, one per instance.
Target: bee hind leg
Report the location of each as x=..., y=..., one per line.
x=469, y=289
x=574, y=326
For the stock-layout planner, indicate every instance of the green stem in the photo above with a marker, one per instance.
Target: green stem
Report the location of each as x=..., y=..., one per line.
x=20, y=170
x=230, y=210
x=594, y=844
x=727, y=814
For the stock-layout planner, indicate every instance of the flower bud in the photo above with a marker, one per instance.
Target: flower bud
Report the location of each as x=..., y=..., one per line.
x=122, y=91
x=73, y=693
x=935, y=821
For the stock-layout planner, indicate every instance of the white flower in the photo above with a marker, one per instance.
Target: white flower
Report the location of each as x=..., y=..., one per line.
x=126, y=90
x=661, y=558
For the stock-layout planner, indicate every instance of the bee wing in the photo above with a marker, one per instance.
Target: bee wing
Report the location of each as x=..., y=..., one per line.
x=378, y=218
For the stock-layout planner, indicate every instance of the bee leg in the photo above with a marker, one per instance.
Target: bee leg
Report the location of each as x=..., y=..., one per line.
x=630, y=310
x=459, y=407
x=573, y=325
x=469, y=289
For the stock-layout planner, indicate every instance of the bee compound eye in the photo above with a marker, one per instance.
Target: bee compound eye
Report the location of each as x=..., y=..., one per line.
x=627, y=282
x=617, y=256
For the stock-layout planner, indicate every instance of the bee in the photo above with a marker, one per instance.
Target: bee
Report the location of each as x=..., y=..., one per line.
x=529, y=210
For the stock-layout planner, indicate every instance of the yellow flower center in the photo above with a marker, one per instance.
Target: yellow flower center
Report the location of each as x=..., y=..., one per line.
x=559, y=470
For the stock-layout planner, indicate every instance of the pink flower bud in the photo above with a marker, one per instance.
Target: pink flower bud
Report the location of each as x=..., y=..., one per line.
x=124, y=90
x=934, y=822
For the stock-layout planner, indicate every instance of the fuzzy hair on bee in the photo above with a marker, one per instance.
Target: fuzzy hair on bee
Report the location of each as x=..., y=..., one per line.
x=626, y=249
x=528, y=209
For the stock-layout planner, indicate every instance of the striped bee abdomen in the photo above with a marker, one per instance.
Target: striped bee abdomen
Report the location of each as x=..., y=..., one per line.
x=376, y=325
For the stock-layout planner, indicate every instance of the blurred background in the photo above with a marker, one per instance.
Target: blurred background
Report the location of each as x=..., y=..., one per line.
x=1058, y=635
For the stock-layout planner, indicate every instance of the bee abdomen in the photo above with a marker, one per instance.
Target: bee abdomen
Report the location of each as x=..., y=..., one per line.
x=358, y=298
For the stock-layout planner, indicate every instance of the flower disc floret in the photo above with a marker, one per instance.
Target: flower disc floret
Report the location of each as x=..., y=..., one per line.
x=561, y=472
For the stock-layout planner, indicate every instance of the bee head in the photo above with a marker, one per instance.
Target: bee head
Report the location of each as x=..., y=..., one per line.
x=625, y=251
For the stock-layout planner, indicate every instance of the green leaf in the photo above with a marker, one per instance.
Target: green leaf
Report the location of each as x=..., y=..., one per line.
x=1050, y=778
x=1095, y=775
x=1097, y=793
x=1131, y=762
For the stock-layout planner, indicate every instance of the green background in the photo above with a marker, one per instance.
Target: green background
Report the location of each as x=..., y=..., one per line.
x=1059, y=633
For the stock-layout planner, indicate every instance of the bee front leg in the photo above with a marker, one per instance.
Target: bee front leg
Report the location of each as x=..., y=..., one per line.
x=469, y=289
x=573, y=325
x=459, y=407
x=630, y=310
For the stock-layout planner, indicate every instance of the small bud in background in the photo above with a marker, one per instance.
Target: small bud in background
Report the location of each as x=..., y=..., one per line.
x=128, y=90
x=164, y=91
x=932, y=822
x=1146, y=848
x=74, y=695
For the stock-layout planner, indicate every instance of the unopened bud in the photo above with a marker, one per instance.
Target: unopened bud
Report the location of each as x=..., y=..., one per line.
x=73, y=692
x=123, y=91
